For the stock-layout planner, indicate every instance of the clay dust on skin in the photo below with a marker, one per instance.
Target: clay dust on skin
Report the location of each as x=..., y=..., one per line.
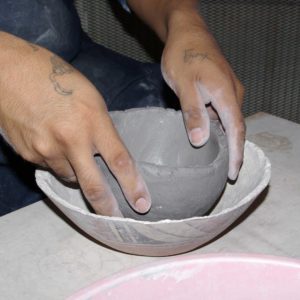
x=198, y=135
x=234, y=142
x=226, y=115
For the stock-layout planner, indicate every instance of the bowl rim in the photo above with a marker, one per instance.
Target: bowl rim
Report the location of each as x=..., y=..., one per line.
x=252, y=195
x=168, y=264
x=209, y=168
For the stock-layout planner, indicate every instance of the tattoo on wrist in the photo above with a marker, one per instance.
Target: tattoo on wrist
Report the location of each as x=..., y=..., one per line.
x=191, y=54
x=60, y=68
x=33, y=47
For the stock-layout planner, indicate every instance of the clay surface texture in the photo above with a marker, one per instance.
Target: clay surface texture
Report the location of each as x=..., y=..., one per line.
x=165, y=237
x=183, y=181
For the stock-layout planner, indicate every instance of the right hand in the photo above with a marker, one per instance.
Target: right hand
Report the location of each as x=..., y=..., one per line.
x=54, y=117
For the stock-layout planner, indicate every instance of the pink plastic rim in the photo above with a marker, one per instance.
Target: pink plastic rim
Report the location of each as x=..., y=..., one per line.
x=214, y=276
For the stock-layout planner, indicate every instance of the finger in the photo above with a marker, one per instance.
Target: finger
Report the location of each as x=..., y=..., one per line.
x=121, y=164
x=240, y=93
x=62, y=168
x=212, y=112
x=93, y=184
x=227, y=107
x=195, y=114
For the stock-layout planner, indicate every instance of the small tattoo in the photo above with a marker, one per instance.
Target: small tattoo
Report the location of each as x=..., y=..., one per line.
x=192, y=54
x=59, y=68
x=33, y=47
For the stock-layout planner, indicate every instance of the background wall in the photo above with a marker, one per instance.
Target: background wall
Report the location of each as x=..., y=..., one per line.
x=261, y=39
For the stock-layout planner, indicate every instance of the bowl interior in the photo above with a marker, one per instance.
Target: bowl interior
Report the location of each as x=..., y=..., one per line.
x=255, y=171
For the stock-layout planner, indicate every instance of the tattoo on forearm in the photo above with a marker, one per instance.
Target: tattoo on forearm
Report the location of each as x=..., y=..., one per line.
x=59, y=68
x=33, y=47
x=191, y=54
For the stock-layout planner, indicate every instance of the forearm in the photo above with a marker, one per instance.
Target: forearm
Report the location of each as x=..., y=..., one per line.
x=164, y=16
x=12, y=50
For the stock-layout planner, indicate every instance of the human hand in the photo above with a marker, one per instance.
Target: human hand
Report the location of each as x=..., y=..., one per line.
x=54, y=117
x=194, y=67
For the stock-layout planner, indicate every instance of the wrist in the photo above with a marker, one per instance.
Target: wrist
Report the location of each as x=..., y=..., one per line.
x=162, y=15
x=185, y=20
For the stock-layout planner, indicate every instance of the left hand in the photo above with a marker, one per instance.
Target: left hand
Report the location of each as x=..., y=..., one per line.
x=196, y=70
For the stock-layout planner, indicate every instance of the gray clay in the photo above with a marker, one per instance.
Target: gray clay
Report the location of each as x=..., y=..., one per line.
x=183, y=181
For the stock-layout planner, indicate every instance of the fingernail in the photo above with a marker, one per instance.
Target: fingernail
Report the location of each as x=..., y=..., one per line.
x=142, y=205
x=197, y=137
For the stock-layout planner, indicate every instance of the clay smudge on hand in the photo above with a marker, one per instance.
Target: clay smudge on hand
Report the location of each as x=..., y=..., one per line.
x=59, y=68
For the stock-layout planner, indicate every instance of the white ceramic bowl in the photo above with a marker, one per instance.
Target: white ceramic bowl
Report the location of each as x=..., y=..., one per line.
x=164, y=237
x=183, y=181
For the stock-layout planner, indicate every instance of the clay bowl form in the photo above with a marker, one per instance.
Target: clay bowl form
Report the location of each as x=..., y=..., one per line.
x=183, y=181
x=164, y=237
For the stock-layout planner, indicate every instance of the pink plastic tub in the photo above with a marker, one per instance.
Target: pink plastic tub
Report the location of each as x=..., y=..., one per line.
x=208, y=277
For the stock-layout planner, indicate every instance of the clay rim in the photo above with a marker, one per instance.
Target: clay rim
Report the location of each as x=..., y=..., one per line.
x=252, y=195
x=221, y=139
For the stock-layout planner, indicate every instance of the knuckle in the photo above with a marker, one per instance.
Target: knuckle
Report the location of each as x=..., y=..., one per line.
x=121, y=162
x=169, y=76
x=217, y=71
x=95, y=193
x=63, y=172
x=42, y=148
x=31, y=157
x=168, y=72
x=193, y=114
x=69, y=178
x=65, y=134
